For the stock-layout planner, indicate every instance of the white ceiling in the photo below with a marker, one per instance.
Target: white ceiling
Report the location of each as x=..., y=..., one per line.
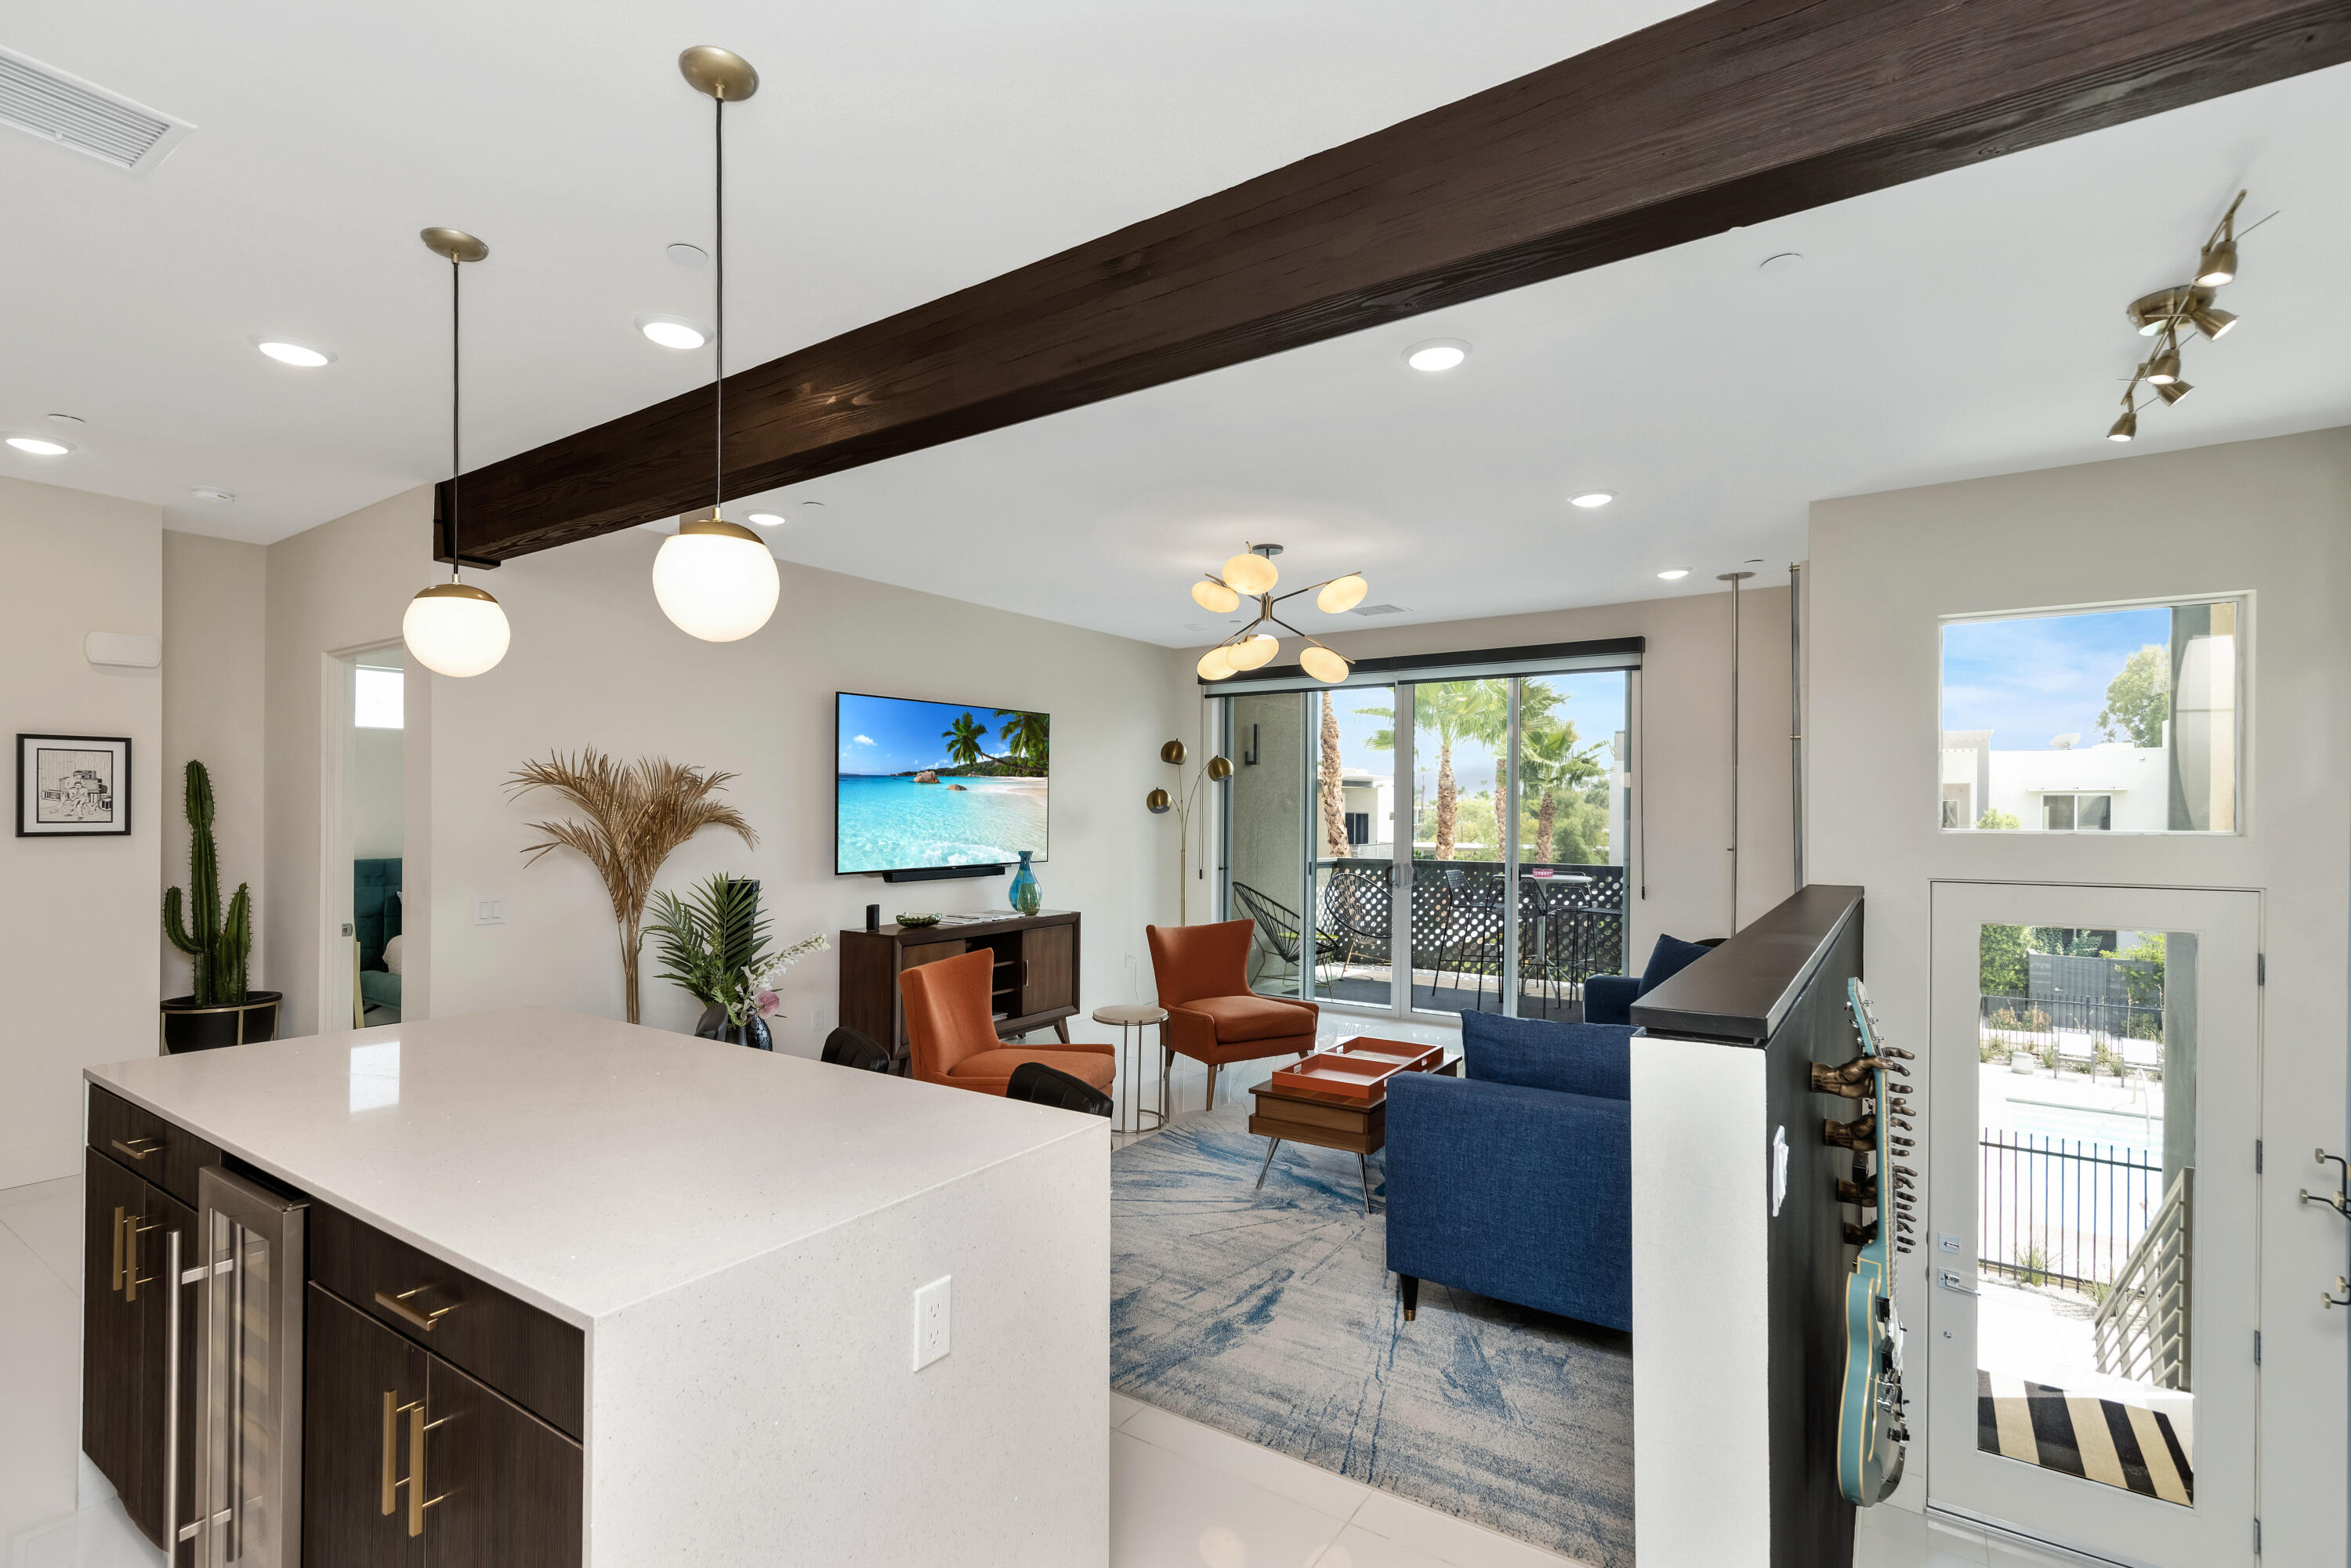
x=1965, y=325
x=898, y=150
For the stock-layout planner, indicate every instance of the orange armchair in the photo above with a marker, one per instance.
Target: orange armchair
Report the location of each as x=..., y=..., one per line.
x=1213, y=1017
x=952, y=1036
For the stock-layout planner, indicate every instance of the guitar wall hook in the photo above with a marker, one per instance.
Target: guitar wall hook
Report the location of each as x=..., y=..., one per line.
x=2339, y=1200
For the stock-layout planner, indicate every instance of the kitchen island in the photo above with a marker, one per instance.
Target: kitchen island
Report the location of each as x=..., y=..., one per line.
x=552, y=1265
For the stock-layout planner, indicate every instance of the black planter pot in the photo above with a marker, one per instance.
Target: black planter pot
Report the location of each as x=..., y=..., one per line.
x=752, y=1031
x=188, y=1026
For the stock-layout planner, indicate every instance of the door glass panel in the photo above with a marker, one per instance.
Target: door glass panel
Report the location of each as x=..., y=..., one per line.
x=1267, y=799
x=1571, y=802
x=2086, y=1203
x=1461, y=735
x=1355, y=842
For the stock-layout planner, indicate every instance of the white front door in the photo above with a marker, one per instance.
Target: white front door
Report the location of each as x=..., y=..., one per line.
x=2094, y=1075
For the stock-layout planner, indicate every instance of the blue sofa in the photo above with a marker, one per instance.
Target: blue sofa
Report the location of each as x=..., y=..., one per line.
x=1609, y=998
x=1515, y=1180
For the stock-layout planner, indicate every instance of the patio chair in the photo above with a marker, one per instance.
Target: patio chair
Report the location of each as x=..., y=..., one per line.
x=1277, y=927
x=2074, y=1049
x=1355, y=908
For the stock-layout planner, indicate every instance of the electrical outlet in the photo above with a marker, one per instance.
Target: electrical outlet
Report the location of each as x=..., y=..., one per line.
x=489, y=912
x=931, y=1322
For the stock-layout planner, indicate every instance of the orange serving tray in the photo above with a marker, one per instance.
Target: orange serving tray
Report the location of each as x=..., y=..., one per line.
x=1358, y=1073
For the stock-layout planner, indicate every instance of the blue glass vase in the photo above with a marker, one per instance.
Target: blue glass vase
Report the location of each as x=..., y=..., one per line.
x=1024, y=894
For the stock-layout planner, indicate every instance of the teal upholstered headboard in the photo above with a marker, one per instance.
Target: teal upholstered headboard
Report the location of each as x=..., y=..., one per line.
x=375, y=907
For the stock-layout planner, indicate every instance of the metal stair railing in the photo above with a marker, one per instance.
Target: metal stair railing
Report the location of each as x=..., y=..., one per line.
x=2141, y=1329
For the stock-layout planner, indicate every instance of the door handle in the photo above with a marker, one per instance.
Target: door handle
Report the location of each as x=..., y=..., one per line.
x=1952, y=1279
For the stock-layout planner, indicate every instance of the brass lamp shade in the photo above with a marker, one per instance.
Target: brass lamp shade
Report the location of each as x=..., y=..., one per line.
x=1172, y=752
x=1220, y=768
x=2217, y=265
x=1158, y=802
x=2173, y=390
x=2212, y=322
x=2126, y=427
x=2164, y=369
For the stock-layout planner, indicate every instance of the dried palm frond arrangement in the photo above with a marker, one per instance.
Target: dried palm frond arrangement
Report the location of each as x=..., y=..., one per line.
x=637, y=812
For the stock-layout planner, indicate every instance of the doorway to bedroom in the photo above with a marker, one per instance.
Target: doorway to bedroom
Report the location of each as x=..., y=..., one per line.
x=363, y=904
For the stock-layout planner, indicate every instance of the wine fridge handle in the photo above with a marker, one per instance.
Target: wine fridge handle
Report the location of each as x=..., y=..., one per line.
x=174, y=1286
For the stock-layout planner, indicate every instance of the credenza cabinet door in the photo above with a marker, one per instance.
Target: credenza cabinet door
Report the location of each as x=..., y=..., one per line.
x=507, y=1484
x=355, y=1462
x=1048, y=969
x=120, y=1415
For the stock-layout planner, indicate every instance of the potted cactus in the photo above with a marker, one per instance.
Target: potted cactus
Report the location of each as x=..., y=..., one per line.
x=220, y=1011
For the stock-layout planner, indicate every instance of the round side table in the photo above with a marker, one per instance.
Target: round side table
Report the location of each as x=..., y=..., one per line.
x=1131, y=1022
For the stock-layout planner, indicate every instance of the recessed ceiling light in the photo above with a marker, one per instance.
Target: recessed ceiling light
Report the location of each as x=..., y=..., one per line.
x=688, y=254
x=673, y=331
x=765, y=519
x=300, y=354
x=1592, y=498
x=1676, y=575
x=1437, y=354
x=40, y=446
x=207, y=493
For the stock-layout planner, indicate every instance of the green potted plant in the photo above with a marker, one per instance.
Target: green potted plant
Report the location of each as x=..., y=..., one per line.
x=713, y=944
x=220, y=1011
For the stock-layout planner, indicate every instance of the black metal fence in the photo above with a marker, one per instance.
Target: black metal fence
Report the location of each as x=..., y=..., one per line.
x=2056, y=1211
x=1571, y=917
x=2046, y=1015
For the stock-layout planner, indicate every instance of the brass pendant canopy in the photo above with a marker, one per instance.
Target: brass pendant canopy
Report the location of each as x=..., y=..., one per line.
x=718, y=73
x=454, y=590
x=708, y=521
x=452, y=245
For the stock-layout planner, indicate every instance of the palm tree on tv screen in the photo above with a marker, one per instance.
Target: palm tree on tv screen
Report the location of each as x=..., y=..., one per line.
x=963, y=737
x=1025, y=736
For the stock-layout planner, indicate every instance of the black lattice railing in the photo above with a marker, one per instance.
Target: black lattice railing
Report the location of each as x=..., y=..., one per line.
x=1571, y=917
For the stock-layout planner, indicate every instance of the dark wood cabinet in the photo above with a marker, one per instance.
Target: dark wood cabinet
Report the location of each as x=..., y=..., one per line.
x=127, y=1288
x=505, y=1486
x=1035, y=983
x=359, y=1379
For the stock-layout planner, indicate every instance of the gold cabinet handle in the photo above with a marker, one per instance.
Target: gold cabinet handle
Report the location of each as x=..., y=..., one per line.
x=391, y=1441
x=133, y=1149
x=132, y=1229
x=417, y=1501
x=398, y=1307
x=117, y=1286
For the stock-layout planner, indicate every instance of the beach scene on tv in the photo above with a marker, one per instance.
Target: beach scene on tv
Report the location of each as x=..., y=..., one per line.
x=939, y=784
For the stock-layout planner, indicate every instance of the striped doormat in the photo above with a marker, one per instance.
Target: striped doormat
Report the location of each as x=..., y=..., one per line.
x=2098, y=1439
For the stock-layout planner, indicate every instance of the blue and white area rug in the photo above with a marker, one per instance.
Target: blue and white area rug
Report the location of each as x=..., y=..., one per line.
x=1271, y=1315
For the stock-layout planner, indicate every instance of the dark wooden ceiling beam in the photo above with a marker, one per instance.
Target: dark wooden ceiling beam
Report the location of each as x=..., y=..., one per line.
x=1729, y=115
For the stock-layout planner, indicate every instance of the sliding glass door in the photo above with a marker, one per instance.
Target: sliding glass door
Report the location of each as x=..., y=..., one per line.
x=1433, y=847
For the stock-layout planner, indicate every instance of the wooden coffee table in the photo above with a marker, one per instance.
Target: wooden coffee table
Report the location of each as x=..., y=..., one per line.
x=1331, y=1121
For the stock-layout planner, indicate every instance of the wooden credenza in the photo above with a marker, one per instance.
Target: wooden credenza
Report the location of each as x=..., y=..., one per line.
x=1036, y=983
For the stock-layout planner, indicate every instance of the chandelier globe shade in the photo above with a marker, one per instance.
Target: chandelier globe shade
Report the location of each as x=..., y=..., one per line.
x=456, y=629
x=716, y=579
x=1255, y=652
x=1250, y=573
x=1216, y=664
x=1341, y=594
x=1322, y=663
x=1214, y=597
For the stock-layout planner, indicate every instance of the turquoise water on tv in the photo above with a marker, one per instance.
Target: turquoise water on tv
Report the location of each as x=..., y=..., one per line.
x=892, y=824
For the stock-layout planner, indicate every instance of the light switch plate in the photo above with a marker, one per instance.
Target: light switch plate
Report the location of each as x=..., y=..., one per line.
x=489, y=912
x=931, y=1322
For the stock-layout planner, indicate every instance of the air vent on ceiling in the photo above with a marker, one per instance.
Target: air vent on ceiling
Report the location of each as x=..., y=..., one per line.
x=47, y=102
x=1378, y=610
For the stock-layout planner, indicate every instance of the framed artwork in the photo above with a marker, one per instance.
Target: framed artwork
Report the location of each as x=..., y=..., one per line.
x=72, y=785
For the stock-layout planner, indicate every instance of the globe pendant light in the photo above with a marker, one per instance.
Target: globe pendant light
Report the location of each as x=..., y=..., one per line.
x=716, y=580
x=453, y=628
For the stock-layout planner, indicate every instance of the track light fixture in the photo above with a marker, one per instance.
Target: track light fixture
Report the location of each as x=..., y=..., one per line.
x=1252, y=575
x=2163, y=315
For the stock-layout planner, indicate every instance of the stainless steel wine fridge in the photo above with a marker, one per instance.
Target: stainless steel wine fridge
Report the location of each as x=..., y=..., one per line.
x=246, y=1512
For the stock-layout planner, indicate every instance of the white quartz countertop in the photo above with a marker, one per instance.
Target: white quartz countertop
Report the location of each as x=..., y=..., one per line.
x=581, y=1164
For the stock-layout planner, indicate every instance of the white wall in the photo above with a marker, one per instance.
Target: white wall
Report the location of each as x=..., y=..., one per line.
x=594, y=663
x=79, y=917
x=2273, y=517
x=1684, y=715
x=215, y=592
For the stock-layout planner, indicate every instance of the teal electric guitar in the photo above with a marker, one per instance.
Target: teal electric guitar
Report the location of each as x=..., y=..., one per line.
x=1871, y=1430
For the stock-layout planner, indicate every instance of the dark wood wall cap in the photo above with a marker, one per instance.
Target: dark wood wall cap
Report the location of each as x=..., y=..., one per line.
x=1739, y=993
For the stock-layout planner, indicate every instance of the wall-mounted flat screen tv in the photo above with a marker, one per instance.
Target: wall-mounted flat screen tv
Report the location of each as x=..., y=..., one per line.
x=924, y=786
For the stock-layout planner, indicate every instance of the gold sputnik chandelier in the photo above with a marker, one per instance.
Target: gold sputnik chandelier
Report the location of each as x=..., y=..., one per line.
x=2184, y=310
x=1252, y=575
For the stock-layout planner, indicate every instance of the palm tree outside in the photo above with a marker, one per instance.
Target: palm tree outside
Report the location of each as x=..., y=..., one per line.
x=1550, y=766
x=1452, y=712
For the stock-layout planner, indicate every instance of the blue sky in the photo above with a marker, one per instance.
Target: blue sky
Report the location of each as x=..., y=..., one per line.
x=1594, y=701
x=2039, y=676
x=892, y=735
